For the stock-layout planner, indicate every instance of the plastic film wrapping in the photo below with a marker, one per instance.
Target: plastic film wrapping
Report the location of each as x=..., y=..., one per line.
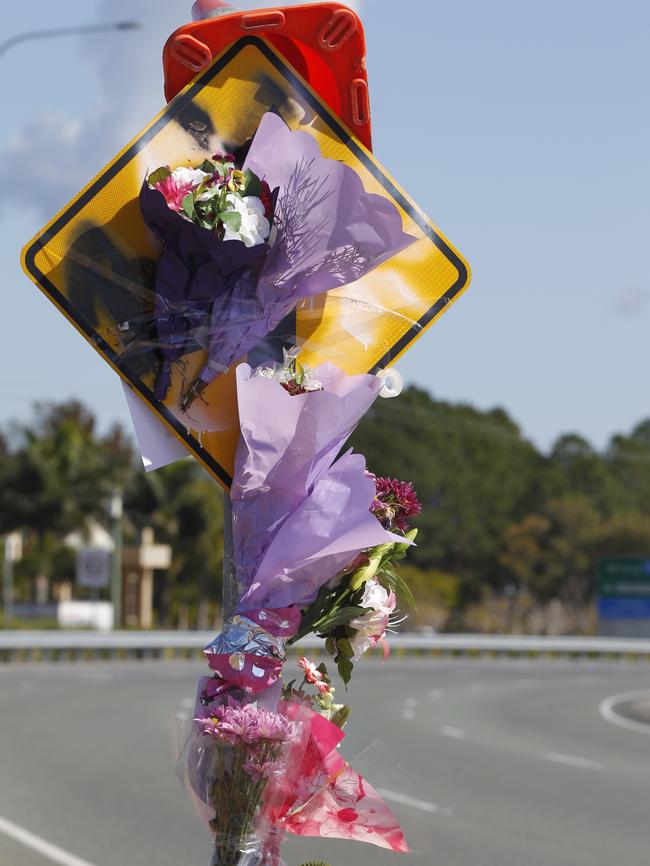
x=99, y=261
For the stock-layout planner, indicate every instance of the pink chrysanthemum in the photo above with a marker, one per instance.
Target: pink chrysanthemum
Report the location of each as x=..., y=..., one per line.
x=257, y=769
x=395, y=501
x=238, y=725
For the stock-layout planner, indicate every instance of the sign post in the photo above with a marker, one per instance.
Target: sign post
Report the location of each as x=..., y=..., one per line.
x=623, y=590
x=115, y=513
x=13, y=551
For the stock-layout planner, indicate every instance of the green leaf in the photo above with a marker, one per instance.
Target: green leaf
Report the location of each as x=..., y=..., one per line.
x=322, y=604
x=231, y=219
x=159, y=175
x=344, y=648
x=396, y=582
x=188, y=205
x=365, y=573
x=207, y=166
x=341, y=716
x=340, y=617
x=402, y=549
x=330, y=645
x=345, y=666
x=299, y=372
x=253, y=184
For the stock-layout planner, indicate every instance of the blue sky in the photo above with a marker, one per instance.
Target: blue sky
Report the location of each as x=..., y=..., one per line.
x=520, y=128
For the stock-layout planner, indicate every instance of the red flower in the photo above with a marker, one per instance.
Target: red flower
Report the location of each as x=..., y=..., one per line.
x=395, y=501
x=223, y=157
x=266, y=198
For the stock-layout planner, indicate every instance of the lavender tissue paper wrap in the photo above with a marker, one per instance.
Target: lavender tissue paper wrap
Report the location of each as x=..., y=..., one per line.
x=299, y=515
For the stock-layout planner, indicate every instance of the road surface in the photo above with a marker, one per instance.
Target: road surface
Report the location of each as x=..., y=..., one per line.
x=486, y=763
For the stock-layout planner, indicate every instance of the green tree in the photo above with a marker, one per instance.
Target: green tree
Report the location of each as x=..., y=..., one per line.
x=628, y=459
x=184, y=506
x=550, y=553
x=575, y=468
x=60, y=472
x=472, y=470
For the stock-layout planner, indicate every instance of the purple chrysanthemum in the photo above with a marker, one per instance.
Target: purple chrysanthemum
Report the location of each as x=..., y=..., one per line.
x=237, y=724
x=395, y=501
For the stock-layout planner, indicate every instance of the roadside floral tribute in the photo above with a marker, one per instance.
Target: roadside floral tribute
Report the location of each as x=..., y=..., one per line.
x=209, y=266
x=242, y=244
x=316, y=537
x=316, y=543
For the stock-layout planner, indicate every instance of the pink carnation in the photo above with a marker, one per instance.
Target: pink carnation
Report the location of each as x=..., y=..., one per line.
x=312, y=674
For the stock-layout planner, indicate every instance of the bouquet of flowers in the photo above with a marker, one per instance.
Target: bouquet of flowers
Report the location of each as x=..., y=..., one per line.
x=315, y=541
x=236, y=751
x=241, y=245
x=316, y=536
x=243, y=242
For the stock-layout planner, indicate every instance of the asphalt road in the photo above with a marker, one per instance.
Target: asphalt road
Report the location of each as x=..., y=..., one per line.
x=502, y=764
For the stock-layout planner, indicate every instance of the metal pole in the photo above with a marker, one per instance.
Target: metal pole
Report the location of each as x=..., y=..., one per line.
x=54, y=32
x=7, y=585
x=116, y=560
x=229, y=593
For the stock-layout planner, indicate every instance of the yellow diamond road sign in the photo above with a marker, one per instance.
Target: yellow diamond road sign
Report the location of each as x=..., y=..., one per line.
x=96, y=259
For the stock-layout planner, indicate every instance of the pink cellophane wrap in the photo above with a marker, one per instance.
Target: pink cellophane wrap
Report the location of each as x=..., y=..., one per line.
x=249, y=651
x=324, y=796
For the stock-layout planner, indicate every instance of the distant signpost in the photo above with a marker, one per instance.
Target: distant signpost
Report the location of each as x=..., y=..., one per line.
x=93, y=567
x=623, y=588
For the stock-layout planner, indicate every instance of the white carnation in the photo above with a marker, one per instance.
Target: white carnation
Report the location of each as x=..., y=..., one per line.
x=192, y=176
x=286, y=371
x=255, y=227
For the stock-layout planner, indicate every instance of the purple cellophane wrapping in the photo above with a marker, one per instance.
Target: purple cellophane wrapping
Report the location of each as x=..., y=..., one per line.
x=299, y=515
x=224, y=297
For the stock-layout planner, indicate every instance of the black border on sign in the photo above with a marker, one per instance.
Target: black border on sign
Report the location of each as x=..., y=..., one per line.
x=174, y=107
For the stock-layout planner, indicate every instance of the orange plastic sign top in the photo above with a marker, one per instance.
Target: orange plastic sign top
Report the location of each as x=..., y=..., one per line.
x=324, y=42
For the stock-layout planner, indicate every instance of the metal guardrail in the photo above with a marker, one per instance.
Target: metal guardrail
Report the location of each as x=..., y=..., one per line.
x=86, y=645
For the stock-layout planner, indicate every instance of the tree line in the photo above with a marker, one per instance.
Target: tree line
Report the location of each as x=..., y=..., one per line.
x=509, y=536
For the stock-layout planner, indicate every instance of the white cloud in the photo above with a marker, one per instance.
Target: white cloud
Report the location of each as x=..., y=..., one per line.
x=632, y=301
x=49, y=148
x=63, y=152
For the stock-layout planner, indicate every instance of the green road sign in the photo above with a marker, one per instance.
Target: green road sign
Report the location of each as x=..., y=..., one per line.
x=624, y=577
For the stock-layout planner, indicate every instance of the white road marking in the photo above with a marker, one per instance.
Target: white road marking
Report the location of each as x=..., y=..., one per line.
x=45, y=849
x=408, y=712
x=607, y=710
x=573, y=761
x=413, y=802
x=451, y=731
x=96, y=677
